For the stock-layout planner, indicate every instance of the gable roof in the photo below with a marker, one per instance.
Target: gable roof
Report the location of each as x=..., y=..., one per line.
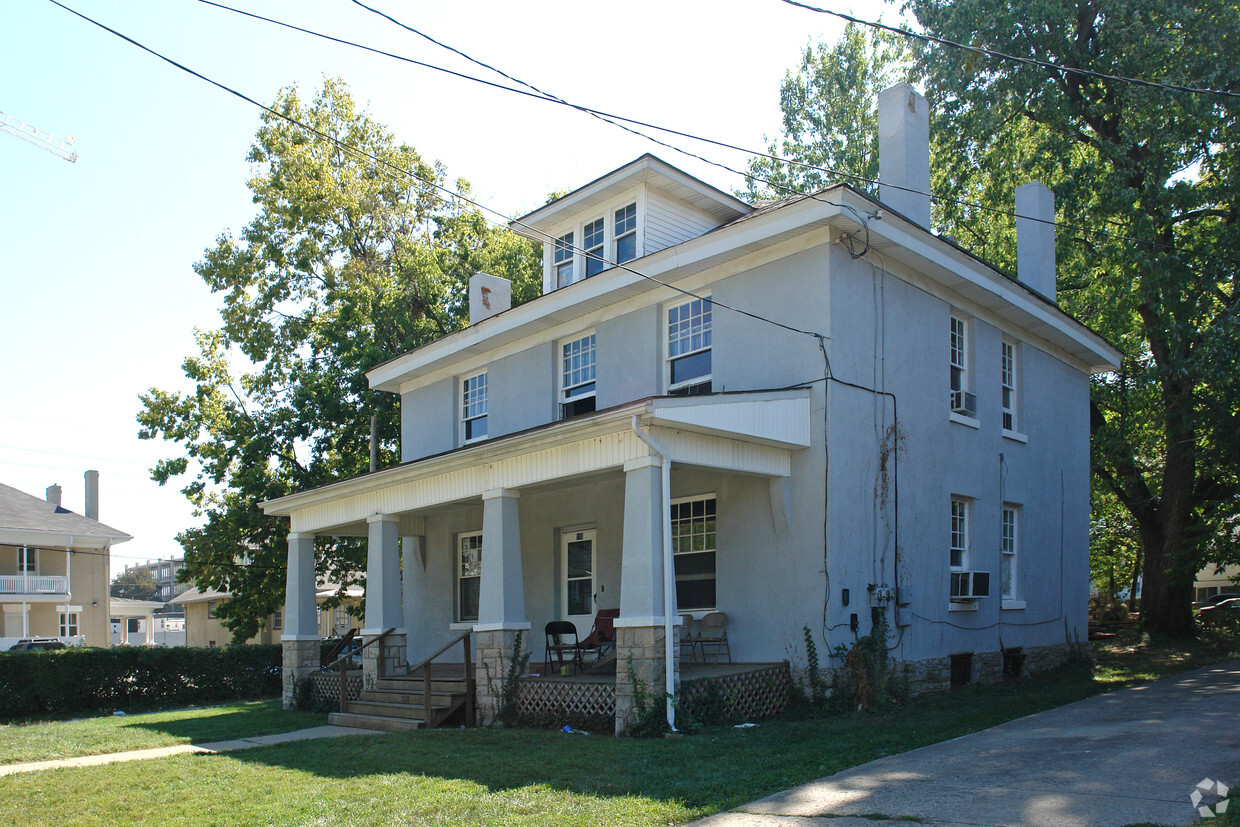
x=27, y=520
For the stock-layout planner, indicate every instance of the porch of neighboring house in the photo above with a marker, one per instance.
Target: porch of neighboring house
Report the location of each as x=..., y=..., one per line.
x=567, y=519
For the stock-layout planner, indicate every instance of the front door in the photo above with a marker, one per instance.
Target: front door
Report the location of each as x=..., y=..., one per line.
x=577, y=563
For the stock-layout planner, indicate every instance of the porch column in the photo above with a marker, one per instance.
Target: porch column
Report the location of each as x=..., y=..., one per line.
x=501, y=600
x=413, y=584
x=641, y=660
x=301, y=630
x=383, y=609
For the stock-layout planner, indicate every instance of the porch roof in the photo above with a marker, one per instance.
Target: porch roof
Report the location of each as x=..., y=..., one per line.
x=751, y=433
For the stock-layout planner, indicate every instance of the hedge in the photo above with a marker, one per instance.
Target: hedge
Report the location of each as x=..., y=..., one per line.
x=127, y=677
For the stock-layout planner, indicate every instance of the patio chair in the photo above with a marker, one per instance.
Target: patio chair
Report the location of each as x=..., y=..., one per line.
x=561, y=641
x=686, y=637
x=602, y=638
x=713, y=632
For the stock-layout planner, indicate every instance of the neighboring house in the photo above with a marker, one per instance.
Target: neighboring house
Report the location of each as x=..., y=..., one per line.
x=203, y=627
x=1214, y=580
x=803, y=413
x=54, y=567
x=134, y=623
x=165, y=574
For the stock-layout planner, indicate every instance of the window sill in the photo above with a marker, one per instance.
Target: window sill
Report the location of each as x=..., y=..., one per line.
x=962, y=606
x=1012, y=605
x=1015, y=436
x=959, y=419
x=461, y=627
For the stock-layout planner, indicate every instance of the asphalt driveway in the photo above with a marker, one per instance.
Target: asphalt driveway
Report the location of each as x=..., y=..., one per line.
x=1126, y=757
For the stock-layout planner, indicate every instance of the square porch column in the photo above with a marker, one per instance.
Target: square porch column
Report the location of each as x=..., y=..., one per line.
x=300, y=640
x=383, y=593
x=501, y=599
x=641, y=658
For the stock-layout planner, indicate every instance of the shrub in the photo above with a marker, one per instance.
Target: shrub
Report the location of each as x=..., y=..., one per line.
x=88, y=680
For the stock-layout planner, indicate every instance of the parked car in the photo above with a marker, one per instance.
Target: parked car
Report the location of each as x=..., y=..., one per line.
x=1214, y=600
x=37, y=643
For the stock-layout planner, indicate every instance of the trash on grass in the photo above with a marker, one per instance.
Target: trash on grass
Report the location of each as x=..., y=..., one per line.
x=572, y=731
x=745, y=725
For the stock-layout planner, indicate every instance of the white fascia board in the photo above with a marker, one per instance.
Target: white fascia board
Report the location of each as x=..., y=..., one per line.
x=613, y=286
x=779, y=418
x=58, y=539
x=1012, y=300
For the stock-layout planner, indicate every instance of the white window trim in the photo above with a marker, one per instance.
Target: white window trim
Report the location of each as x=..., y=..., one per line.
x=24, y=556
x=696, y=498
x=565, y=240
x=965, y=365
x=564, y=398
x=1007, y=349
x=668, y=359
x=461, y=409
x=635, y=232
x=633, y=197
x=599, y=251
x=964, y=547
x=1013, y=555
x=457, y=576
x=75, y=623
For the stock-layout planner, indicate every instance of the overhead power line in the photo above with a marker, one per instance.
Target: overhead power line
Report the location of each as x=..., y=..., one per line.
x=1029, y=61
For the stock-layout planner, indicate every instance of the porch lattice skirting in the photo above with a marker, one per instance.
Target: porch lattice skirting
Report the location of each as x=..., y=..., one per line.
x=566, y=702
x=749, y=695
x=327, y=687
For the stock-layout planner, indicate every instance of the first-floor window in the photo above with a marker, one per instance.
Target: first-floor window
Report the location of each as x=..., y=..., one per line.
x=133, y=625
x=960, y=534
x=468, y=575
x=69, y=624
x=693, y=549
x=1007, y=555
x=474, y=407
x=340, y=620
x=277, y=622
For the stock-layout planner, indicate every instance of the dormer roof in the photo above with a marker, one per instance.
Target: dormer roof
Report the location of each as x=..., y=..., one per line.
x=648, y=170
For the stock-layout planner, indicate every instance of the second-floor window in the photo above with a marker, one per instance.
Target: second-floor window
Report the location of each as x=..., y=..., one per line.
x=564, y=260
x=592, y=240
x=688, y=348
x=962, y=402
x=577, y=377
x=27, y=560
x=1008, y=358
x=626, y=234
x=474, y=407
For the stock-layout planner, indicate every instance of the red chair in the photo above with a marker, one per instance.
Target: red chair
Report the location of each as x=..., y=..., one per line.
x=602, y=638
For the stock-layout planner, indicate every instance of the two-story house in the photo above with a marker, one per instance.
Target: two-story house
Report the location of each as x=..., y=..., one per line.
x=54, y=567
x=800, y=413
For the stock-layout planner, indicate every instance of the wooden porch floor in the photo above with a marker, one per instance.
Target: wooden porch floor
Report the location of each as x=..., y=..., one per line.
x=606, y=673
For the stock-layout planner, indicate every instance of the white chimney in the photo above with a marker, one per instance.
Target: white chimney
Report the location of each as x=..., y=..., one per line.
x=904, y=152
x=1035, y=237
x=92, y=494
x=488, y=295
x=53, y=495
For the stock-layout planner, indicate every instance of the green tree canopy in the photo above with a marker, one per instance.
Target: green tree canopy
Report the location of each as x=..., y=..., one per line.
x=135, y=584
x=346, y=264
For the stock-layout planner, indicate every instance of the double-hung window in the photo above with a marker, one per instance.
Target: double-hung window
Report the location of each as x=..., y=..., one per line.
x=69, y=624
x=962, y=402
x=474, y=407
x=27, y=560
x=468, y=575
x=693, y=552
x=564, y=260
x=1008, y=359
x=1007, y=553
x=960, y=535
x=626, y=233
x=688, y=348
x=592, y=240
x=577, y=377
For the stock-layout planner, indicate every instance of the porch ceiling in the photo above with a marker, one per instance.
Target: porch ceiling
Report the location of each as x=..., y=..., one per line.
x=750, y=433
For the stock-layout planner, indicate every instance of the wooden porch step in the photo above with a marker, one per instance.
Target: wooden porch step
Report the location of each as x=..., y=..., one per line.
x=408, y=696
x=414, y=684
x=394, y=710
x=382, y=723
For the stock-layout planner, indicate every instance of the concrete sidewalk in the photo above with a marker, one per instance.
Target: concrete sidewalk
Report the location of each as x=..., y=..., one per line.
x=1129, y=756
x=180, y=749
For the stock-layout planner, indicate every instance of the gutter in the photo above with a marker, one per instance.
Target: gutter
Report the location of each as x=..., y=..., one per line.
x=669, y=574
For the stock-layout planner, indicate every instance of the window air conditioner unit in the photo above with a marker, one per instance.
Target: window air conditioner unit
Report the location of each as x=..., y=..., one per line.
x=970, y=585
x=964, y=402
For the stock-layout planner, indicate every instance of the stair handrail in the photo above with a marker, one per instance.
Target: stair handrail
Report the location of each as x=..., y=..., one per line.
x=338, y=648
x=470, y=713
x=344, y=660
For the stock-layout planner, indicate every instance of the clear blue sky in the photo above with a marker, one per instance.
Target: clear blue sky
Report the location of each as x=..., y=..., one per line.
x=98, y=298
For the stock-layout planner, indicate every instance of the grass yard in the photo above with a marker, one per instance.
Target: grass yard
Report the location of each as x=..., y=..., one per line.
x=539, y=778
x=44, y=741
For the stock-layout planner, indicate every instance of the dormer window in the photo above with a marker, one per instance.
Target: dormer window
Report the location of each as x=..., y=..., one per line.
x=626, y=234
x=564, y=260
x=592, y=237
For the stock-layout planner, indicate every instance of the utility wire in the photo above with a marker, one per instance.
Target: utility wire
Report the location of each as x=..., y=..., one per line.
x=1029, y=61
x=619, y=121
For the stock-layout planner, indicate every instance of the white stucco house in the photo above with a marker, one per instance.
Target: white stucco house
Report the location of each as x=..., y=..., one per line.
x=801, y=413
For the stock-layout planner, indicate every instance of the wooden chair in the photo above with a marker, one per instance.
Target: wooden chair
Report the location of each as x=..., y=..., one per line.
x=713, y=632
x=562, y=640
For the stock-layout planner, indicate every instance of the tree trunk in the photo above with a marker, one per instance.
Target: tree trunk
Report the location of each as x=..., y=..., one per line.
x=1133, y=597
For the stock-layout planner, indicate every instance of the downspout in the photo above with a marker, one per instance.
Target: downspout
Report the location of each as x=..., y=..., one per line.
x=68, y=582
x=669, y=574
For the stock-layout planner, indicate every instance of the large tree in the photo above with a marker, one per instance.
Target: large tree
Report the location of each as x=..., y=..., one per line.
x=354, y=256
x=1147, y=184
x=135, y=584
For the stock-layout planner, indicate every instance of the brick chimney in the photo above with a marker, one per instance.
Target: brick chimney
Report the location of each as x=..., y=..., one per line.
x=92, y=494
x=1035, y=237
x=904, y=152
x=488, y=295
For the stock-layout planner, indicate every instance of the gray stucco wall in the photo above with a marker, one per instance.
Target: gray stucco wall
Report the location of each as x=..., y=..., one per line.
x=428, y=420
x=521, y=390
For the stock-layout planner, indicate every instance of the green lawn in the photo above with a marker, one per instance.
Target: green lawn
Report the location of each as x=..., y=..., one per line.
x=44, y=741
x=535, y=777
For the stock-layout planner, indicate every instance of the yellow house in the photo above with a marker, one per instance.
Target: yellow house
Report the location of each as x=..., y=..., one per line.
x=203, y=627
x=54, y=568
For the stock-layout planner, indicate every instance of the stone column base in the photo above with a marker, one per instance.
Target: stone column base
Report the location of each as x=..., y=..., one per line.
x=494, y=661
x=641, y=661
x=393, y=651
x=301, y=657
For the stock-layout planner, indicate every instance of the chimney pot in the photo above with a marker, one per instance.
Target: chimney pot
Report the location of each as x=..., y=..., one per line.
x=53, y=495
x=1035, y=237
x=92, y=494
x=904, y=152
x=488, y=295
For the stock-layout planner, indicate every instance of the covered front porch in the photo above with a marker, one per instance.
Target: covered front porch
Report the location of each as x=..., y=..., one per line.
x=499, y=538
